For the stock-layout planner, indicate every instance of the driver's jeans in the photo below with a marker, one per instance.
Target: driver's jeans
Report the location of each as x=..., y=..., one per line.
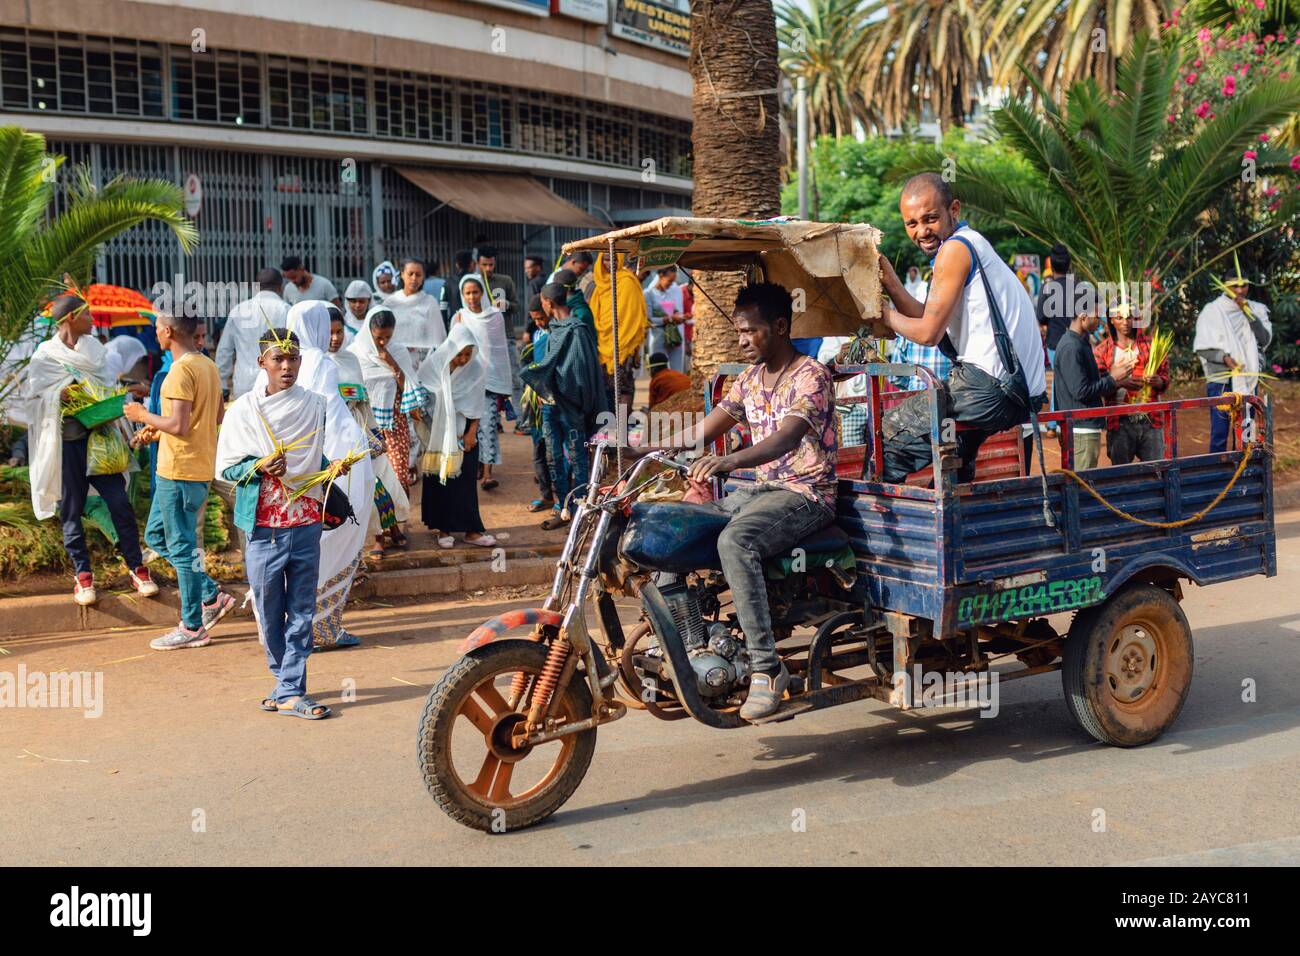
x=767, y=521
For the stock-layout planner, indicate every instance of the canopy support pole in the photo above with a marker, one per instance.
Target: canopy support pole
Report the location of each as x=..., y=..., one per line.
x=621, y=428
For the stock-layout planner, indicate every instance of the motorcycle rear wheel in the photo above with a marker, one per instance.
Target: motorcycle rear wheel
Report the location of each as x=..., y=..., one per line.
x=467, y=717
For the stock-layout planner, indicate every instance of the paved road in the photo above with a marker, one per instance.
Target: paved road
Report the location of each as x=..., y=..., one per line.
x=183, y=768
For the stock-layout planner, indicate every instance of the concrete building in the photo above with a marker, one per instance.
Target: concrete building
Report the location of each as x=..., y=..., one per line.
x=352, y=131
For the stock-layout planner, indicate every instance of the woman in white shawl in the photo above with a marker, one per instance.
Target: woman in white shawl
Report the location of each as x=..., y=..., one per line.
x=124, y=352
x=384, y=279
x=58, y=447
x=419, y=315
x=489, y=328
x=454, y=376
x=390, y=505
x=394, y=392
x=341, y=547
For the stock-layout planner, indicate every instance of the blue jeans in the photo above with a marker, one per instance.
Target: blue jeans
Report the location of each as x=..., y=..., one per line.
x=173, y=517
x=282, y=566
x=1219, y=421
x=112, y=488
x=565, y=451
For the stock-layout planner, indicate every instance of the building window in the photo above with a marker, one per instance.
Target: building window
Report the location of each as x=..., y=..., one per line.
x=484, y=116
x=412, y=106
x=112, y=76
x=65, y=73
x=216, y=87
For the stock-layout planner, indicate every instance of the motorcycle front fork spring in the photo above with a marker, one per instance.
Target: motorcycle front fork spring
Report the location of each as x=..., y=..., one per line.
x=549, y=678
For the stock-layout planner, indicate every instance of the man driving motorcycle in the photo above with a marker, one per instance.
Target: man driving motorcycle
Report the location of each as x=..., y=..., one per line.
x=787, y=399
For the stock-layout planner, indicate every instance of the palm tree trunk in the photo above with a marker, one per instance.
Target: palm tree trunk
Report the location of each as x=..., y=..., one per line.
x=736, y=140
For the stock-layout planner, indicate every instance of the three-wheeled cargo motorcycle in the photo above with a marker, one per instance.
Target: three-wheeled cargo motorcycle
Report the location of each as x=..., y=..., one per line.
x=928, y=576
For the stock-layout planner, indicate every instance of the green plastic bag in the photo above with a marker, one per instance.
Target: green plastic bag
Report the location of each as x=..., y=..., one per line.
x=107, y=452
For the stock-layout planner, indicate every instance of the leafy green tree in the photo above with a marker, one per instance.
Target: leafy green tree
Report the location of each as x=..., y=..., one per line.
x=821, y=42
x=37, y=248
x=1121, y=200
x=857, y=182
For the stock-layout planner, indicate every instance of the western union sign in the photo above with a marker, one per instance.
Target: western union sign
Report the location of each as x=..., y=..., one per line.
x=654, y=24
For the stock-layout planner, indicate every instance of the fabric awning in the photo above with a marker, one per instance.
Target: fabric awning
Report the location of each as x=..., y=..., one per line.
x=499, y=197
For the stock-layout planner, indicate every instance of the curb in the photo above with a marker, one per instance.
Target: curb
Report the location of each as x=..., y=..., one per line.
x=43, y=614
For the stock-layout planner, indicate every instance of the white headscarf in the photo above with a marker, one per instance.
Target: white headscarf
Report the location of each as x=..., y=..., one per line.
x=489, y=328
x=315, y=374
x=53, y=367
x=419, y=320
x=384, y=266
x=292, y=415
x=380, y=382
x=458, y=397
x=123, y=352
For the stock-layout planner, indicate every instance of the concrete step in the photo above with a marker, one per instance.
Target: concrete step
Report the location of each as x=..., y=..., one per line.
x=38, y=615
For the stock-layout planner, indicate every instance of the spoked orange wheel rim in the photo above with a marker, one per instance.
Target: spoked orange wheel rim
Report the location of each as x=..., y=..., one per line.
x=486, y=762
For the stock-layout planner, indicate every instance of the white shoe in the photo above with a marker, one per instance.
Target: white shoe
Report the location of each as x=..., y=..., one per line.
x=83, y=591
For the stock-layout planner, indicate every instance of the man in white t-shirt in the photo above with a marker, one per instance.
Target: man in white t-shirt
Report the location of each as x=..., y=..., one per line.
x=956, y=317
x=301, y=286
x=237, y=351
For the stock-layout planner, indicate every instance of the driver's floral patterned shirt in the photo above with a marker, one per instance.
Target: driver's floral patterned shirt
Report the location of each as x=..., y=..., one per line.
x=806, y=390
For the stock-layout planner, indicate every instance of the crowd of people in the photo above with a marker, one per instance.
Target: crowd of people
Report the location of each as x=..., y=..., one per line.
x=317, y=416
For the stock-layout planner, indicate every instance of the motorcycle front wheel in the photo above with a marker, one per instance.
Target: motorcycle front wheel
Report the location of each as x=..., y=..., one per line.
x=469, y=766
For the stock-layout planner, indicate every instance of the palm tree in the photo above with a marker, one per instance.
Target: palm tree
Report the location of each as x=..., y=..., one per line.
x=736, y=145
x=38, y=249
x=1121, y=205
x=1063, y=41
x=822, y=44
x=924, y=52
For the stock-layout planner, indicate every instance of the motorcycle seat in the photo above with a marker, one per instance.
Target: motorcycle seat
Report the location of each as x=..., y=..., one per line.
x=831, y=539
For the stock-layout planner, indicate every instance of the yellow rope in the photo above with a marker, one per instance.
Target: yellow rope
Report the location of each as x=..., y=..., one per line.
x=1234, y=410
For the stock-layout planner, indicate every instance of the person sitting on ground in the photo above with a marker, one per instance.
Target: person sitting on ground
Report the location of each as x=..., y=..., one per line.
x=59, y=447
x=664, y=381
x=270, y=438
x=788, y=401
x=1078, y=383
x=569, y=378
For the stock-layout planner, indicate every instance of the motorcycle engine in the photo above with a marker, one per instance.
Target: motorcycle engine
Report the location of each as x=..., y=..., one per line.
x=716, y=650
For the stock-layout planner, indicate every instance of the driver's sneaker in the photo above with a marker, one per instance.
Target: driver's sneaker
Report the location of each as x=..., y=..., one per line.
x=83, y=591
x=765, y=694
x=143, y=582
x=219, y=607
x=181, y=637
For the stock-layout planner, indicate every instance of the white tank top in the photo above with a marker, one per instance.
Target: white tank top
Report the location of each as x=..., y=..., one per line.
x=971, y=328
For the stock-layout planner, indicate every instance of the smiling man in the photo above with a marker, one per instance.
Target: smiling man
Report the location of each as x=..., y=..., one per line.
x=787, y=399
x=981, y=322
